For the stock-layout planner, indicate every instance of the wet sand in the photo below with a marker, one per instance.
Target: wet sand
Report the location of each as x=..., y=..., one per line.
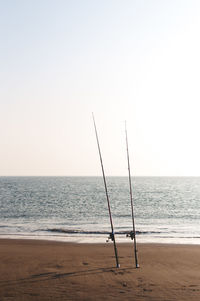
x=45, y=270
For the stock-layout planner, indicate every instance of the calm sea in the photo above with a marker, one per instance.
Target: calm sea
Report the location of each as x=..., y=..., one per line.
x=167, y=209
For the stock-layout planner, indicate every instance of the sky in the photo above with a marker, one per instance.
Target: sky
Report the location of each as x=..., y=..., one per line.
x=135, y=60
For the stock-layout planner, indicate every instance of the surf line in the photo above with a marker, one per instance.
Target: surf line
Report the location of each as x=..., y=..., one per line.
x=112, y=234
x=131, y=234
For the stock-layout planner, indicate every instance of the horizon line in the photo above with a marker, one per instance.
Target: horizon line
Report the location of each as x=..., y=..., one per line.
x=122, y=176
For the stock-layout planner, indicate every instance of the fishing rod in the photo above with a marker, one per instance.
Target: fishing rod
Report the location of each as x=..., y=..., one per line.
x=112, y=234
x=132, y=234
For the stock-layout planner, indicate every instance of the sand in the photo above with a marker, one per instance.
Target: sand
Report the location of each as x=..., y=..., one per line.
x=44, y=270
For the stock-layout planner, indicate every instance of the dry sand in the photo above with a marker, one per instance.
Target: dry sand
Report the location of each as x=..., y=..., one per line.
x=42, y=270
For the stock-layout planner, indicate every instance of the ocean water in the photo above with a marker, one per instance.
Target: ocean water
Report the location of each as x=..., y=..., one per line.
x=167, y=209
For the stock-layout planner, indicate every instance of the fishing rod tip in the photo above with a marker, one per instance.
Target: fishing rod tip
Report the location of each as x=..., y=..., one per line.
x=125, y=123
x=93, y=116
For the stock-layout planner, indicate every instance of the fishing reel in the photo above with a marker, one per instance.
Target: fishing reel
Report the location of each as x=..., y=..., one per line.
x=110, y=237
x=131, y=234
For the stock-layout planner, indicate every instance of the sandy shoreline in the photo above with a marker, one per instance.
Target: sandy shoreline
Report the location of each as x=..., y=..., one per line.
x=46, y=270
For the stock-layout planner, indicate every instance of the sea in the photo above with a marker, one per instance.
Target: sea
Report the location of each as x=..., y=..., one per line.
x=75, y=209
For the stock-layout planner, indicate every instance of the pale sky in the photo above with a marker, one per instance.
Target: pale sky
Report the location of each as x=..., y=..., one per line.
x=135, y=60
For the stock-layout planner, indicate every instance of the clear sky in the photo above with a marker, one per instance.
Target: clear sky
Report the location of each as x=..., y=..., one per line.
x=135, y=60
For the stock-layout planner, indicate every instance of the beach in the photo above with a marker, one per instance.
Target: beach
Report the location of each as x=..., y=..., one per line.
x=48, y=270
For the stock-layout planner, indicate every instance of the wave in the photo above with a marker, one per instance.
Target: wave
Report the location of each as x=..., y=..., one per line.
x=88, y=232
